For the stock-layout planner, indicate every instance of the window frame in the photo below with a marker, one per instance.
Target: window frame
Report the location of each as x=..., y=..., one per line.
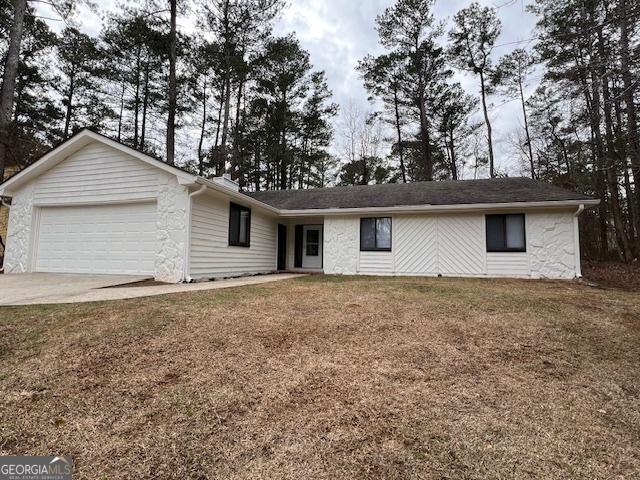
x=234, y=240
x=375, y=235
x=506, y=249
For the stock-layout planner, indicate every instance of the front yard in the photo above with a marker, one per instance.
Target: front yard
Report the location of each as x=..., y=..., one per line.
x=331, y=377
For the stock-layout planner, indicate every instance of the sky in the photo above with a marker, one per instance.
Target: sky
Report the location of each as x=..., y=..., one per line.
x=338, y=33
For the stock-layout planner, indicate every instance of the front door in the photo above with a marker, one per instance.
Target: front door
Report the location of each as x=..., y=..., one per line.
x=312, y=246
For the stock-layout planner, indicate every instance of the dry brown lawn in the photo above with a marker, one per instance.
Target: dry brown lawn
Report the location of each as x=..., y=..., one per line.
x=331, y=377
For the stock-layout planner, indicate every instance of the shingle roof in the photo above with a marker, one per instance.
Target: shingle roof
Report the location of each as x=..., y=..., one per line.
x=450, y=192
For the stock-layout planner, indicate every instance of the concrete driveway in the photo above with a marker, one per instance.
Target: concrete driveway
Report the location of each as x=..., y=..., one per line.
x=47, y=288
x=26, y=288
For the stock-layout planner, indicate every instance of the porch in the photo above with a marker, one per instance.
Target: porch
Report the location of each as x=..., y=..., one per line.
x=300, y=244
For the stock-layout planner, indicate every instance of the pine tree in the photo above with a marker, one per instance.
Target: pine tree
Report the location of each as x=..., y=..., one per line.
x=475, y=31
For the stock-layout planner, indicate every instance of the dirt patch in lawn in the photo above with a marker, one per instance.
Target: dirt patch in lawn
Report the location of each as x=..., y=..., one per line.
x=331, y=377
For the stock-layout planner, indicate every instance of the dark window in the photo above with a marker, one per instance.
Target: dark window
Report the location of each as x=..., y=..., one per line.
x=239, y=225
x=506, y=233
x=375, y=234
x=313, y=243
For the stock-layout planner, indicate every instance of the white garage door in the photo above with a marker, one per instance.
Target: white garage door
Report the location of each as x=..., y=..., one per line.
x=113, y=239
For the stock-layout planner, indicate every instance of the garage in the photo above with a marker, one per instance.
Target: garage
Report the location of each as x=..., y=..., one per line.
x=108, y=239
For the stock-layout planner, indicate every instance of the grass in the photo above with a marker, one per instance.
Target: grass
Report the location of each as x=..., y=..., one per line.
x=331, y=377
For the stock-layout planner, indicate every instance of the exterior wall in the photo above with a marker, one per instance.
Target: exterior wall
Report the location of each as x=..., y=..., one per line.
x=550, y=244
x=454, y=245
x=341, y=246
x=211, y=255
x=16, y=256
x=98, y=174
x=173, y=226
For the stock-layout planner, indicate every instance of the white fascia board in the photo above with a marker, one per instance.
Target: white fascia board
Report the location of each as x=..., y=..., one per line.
x=75, y=143
x=438, y=208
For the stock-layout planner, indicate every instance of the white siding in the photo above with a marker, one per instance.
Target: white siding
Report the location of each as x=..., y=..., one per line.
x=461, y=244
x=414, y=244
x=508, y=264
x=211, y=255
x=97, y=173
x=376, y=263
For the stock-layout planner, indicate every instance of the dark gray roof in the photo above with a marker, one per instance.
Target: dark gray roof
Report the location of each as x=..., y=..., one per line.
x=450, y=192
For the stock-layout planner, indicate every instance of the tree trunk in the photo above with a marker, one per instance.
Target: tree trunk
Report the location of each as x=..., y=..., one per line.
x=145, y=106
x=69, y=113
x=121, y=112
x=611, y=160
x=202, y=126
x=526, y=129
x=454, y=167
x=425, y=140
x=399, y=132
x=171, y=117
x=488, y=123
x=136, y=102
x=632, y=121
x=9, y=80
x=219, y=120
x=235, y=161
x=225, y=121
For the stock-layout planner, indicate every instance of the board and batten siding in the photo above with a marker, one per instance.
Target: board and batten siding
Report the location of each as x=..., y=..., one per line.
x=95, y=174
x=211, y=255
x=455, y=245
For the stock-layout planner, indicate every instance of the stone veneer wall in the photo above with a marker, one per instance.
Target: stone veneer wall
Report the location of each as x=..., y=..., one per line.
x=173, y=199
x=341, y=245
x=550, y=245
x=16, y=256
x=4, y=212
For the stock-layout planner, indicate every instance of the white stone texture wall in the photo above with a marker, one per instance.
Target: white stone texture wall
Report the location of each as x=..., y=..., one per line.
x=16, y=257
x=173, y=199
x=341, y=245
x=550, y=245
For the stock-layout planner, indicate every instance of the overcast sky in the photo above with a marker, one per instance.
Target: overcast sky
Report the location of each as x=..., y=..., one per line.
x=338, y=33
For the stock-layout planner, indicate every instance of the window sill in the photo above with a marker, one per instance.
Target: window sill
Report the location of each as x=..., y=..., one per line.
x=375, y=249
x=506, y=251
x=243, y=245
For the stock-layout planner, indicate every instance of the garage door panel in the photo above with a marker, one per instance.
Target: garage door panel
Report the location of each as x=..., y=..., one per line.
x=113, y=239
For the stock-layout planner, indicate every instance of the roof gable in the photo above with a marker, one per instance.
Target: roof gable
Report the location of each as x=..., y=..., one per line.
x=74, y=145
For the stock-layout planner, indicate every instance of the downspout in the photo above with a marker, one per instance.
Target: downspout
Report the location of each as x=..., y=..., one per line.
x=576, y=240
x=8, y=207
x=187, y=246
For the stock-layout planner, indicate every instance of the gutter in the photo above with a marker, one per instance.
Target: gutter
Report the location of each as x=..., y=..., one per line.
x=437, y=208
x=576, y=240
x=187, y=245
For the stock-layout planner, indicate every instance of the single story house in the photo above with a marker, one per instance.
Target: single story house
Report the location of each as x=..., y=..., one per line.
x=93, y=205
